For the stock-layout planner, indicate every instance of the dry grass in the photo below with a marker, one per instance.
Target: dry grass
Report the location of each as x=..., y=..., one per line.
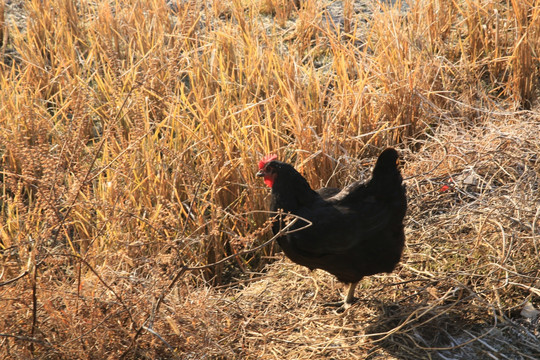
x=129, y=137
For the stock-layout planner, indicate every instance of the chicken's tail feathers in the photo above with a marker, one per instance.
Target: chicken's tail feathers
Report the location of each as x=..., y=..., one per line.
x=386, y=175
x=387, y=162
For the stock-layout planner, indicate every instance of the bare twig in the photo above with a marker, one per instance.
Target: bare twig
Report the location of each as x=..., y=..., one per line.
x=23, y=274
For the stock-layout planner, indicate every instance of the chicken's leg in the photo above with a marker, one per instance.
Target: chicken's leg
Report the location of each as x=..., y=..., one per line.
x=350, y=294
x=349, y=299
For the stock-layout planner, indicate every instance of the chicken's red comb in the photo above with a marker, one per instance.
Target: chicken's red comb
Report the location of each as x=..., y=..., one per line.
x=266, y=160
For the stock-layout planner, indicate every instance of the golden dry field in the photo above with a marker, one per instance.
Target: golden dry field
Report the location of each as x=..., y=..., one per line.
x=131, y=220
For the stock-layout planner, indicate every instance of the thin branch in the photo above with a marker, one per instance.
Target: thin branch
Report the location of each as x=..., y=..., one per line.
x=23, y=274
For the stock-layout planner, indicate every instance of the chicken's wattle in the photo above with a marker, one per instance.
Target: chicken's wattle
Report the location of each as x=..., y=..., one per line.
x=268, y=180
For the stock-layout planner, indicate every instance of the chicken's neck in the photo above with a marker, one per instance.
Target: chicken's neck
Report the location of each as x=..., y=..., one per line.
x=291, y=193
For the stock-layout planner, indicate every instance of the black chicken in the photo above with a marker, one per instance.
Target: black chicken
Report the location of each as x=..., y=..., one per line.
x=355, y=231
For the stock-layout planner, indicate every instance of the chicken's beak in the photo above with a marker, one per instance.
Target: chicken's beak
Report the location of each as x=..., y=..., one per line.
x=260, y=173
